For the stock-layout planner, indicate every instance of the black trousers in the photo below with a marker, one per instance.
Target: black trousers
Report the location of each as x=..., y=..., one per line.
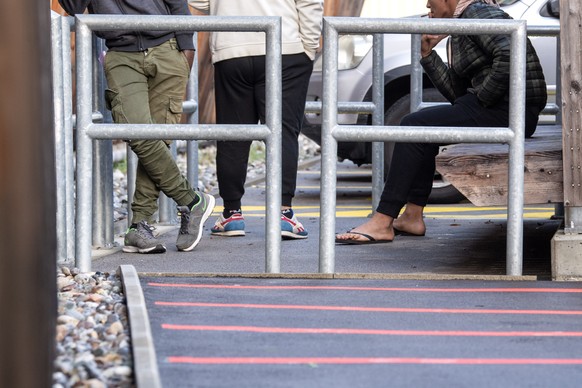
x=413, y=164
x=240, y=99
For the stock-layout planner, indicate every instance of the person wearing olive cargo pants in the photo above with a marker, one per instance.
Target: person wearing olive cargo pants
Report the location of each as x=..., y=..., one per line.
x=147, y=87
x=147, y=73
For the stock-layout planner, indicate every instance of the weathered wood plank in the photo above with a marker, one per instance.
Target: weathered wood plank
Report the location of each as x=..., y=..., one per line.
x=480, y=171
x=571, y=70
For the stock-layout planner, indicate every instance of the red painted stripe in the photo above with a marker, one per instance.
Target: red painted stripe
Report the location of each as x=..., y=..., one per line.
x=348, y=288
x=368, y=309
x=371, y=360
x=438, y=333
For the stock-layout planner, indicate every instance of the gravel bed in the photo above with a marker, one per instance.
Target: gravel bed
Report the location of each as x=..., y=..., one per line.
x=93, y=344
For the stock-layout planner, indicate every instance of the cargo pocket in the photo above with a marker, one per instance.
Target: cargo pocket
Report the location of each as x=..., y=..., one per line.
x=174, y=112
x=113, y=103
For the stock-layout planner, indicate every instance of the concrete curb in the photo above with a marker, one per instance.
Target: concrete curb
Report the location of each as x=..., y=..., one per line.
x=145, y=364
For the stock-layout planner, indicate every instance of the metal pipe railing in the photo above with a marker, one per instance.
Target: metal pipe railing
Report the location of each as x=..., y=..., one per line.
x=332, y=132
x=63, y=126
x=270, y=132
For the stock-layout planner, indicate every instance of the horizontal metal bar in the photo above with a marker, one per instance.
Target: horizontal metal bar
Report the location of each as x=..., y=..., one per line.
x=189, y=106
x=178, y=131
x=343, y=107
x=179, y=23
x=423, y=134
x=543, y=30
x=421, y=26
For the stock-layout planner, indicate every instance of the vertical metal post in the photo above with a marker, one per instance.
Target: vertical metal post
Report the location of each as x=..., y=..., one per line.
x=59, y=128
x=328, y=151
x=378, y=119
x=273, y=113
x=193, y=118
x=69, y=153
x=516, y=152
x=415, y=74
x=102, y=160
x=83, y=48
x=166, y=206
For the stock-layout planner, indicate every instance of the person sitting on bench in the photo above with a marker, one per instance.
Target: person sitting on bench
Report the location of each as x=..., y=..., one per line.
x=476, y=82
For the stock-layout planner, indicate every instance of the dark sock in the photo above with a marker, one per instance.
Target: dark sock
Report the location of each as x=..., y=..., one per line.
x=194, y=202
x=226, y=213
x=287, y=213
x=133, y=226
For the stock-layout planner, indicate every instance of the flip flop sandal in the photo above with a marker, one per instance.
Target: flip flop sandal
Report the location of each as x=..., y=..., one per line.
x=369, y=240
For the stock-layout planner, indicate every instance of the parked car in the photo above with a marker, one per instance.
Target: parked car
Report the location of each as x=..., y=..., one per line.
x=355, y=82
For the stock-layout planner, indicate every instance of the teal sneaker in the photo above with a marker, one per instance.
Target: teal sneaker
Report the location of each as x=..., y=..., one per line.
x=292, y=229
x=230, y=227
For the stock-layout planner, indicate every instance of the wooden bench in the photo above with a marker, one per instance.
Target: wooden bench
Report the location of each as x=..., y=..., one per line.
x=479, y=171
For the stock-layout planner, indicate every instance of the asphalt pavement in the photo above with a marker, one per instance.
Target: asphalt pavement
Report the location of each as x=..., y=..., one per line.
x=435, y=311
x=234, y=332
x=460, y=239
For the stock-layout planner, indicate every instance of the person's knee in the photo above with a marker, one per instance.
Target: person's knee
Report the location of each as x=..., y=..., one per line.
x=409, y=120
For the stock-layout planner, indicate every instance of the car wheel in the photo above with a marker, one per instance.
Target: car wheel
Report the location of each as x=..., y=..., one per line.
x=442, y=191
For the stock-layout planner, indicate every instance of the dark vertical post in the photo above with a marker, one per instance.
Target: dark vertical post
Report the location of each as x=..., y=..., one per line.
x=27, y=197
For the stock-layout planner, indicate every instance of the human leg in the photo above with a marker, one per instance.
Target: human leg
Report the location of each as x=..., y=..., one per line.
x=412, y=169
x=297, y=71
x=129, y=98
x=168, y=71
x=235, y=104
x=148, y=89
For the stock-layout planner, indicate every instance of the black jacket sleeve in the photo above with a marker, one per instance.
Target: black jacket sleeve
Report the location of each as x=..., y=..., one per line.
x=184, y=38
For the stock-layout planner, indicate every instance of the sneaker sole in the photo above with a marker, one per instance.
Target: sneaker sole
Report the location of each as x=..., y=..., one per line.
x=157, y=249
x=207, y=213
x=230, y=233
x=291, y=236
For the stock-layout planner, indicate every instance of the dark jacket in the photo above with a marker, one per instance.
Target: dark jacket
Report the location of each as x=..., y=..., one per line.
x=479, y=64
x=134, y=40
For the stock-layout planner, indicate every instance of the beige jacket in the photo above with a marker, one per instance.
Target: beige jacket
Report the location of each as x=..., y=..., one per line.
x=301, y=26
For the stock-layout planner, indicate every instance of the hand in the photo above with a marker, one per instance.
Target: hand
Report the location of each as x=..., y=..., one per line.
x=428, y=42
x=189, y=54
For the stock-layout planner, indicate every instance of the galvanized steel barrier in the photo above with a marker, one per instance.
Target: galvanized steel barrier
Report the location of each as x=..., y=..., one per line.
x=87, y=131
x=63, y=127
x=80, y=248
x=331, y=132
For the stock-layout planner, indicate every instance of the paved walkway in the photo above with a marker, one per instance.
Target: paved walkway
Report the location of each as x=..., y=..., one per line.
x=234, y=332
x=460, y=240
x=433, y=311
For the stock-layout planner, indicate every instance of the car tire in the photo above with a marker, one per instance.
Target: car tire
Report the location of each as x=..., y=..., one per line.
x=442, y=191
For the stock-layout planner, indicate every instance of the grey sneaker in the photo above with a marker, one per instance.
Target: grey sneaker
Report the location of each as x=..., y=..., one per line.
x=192, y=221
x=141, y=239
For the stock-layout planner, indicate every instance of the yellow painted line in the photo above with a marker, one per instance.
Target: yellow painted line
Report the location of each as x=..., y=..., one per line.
x=536, y=215
x=431, y=211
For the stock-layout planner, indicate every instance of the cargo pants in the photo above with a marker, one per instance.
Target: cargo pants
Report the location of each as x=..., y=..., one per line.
x=147, y=87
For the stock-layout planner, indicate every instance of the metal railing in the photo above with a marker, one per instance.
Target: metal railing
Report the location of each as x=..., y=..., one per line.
x=87, y=131
x=332, y=132
x=416, y=96
x=80, y=247
x=63, y=126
